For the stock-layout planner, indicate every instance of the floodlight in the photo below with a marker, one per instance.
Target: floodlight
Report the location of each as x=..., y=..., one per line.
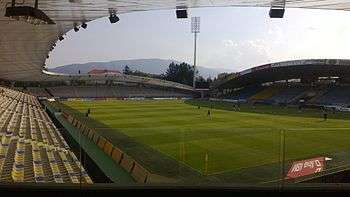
x=84, y=25
x=113, y=18
x=277, y=8
x=276, y=12
x=181, y=13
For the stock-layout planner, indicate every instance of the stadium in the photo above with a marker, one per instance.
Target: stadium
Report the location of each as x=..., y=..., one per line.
x=282, y=123
x=168, y=136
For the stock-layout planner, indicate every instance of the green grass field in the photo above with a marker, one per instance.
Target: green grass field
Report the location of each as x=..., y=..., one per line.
x=245, y=144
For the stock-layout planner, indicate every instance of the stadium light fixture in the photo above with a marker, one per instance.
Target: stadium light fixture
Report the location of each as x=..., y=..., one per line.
x=277, y=9
x=113, y=18
x=84, y=25
x=76, y=29
x=28, y=14
x=181, y=12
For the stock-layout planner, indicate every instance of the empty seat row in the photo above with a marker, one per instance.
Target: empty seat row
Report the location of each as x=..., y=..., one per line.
x=114, y=91
x=31, y=147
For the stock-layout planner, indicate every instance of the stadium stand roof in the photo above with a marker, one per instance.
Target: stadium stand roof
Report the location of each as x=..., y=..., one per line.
x=296, y=69
x=24, y=47
x=103, y=71
x=116, y=77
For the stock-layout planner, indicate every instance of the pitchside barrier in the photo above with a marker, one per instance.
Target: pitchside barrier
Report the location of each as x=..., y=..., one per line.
x=108, y=148
x=137, y=171
x=117, y=155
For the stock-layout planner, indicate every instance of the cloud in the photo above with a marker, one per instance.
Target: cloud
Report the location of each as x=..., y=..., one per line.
x=228, y=43
x=238, y=55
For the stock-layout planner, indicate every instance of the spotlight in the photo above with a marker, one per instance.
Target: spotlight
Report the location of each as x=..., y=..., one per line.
x=181, y=13
x=61, y=38
x=84, y=25
x=76, y=29
x=276, y=12
x=277, y=8
x=113, y=18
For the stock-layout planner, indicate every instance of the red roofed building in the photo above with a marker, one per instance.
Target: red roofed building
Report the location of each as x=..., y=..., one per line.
x=103, y=72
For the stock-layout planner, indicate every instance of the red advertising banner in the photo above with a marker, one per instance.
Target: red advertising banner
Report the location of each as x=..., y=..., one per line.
x=306, y=167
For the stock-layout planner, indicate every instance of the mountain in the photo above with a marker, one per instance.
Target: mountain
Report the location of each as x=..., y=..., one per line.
x=153, y=66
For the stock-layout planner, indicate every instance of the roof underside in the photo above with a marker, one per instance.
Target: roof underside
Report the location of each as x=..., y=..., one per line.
x=24, y=47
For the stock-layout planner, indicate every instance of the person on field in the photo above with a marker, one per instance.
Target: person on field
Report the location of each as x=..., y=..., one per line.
x=209, y=113
x=325, y=115
x=87, y=113
x=236, y=107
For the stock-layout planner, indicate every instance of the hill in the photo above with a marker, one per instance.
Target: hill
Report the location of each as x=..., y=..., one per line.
x=153, y=66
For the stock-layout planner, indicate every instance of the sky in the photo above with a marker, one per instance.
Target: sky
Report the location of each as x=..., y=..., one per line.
x=230, y=39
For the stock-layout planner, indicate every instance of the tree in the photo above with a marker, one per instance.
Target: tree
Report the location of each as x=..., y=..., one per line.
x=209, y=80
x=181, y=73
x=200, y=79
x=127, y=70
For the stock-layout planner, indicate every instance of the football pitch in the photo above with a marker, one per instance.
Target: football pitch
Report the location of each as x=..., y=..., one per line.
x=248, y=144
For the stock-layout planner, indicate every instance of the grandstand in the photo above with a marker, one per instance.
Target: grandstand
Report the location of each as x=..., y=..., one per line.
x=244, y=93
x=120, y=91
x=31, y=147
x=289, y=94
x=265, y=94
x=38, y=92
x=336, y=95
x=316, y=82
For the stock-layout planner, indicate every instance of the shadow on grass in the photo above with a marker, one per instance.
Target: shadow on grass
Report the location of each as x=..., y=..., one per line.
x=269, y=109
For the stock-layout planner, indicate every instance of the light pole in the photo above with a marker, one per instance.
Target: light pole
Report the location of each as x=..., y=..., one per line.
x=195, y=29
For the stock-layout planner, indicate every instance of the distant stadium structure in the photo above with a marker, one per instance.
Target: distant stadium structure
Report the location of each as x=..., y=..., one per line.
x=314, y=81
x=103, y=71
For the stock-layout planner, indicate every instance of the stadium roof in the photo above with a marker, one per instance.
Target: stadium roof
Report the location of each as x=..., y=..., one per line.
x=24, y=47
x=296, y=69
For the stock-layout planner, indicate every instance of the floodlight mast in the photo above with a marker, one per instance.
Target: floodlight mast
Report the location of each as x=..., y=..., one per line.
x=195, y=29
